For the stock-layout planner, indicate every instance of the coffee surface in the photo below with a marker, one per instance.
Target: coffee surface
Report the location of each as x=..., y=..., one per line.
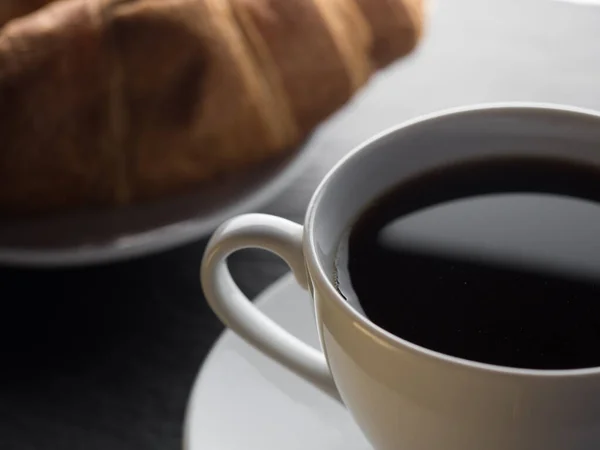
x=495, y=261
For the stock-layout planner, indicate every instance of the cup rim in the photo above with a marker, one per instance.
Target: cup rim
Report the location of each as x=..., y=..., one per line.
x=318, y=272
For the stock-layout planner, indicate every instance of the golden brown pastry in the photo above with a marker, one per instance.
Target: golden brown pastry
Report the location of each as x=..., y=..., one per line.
x=11, y=9
x=107, y=102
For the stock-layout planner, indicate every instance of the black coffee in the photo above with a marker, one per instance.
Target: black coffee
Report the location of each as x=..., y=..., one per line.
x=496, y=261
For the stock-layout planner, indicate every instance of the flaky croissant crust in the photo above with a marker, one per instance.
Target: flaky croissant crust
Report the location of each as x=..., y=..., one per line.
x=107, y=102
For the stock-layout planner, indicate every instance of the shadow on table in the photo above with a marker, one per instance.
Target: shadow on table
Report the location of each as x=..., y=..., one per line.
x=108, y=354
x=102, y=356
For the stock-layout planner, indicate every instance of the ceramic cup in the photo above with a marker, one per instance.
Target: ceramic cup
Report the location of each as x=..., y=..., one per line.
x=403, y=396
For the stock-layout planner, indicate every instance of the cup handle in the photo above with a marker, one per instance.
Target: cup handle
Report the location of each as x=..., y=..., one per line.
x=284, y=238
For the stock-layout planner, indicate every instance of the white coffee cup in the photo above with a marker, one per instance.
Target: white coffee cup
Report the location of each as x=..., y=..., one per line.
x=403, y=396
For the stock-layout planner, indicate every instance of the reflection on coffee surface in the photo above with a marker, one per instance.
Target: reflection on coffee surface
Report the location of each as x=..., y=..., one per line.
x=495, y=261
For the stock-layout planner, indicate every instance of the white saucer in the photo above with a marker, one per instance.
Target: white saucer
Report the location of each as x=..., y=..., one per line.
x=242, y=400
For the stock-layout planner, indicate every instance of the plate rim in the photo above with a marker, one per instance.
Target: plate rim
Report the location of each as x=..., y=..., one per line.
x=261, y=299
x=161, y=238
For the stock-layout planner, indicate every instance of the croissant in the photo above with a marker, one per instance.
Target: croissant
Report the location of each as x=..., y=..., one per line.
x=9, y=9
x=109, y=102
